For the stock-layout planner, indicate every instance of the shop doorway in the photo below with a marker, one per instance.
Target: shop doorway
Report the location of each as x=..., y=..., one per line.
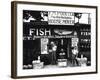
x=63, y=50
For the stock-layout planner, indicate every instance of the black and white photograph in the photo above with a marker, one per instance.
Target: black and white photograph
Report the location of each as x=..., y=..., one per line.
x=55, y=39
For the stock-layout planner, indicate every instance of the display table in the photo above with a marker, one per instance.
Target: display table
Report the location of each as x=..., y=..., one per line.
x=62, y=62
x=38, y=65
x=82, y=61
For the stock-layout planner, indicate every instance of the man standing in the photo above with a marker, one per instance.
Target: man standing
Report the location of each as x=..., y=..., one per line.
x=74, y=56
x=54, y=48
